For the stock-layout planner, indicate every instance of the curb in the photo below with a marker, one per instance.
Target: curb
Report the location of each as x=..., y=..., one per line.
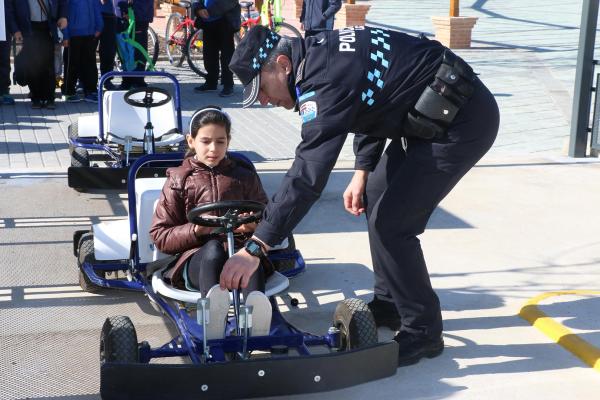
x=557, y=332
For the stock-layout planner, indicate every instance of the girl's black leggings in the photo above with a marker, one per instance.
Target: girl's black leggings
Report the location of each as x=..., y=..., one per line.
x=205, y=266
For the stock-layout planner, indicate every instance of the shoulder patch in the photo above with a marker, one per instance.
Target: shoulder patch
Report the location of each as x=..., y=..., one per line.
x=308, y=111
x=306, y=96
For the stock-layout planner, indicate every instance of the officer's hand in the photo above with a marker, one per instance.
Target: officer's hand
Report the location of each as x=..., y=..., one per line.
x=353, y=195
x=62, y=23
x=237, y=270
x=203, y=13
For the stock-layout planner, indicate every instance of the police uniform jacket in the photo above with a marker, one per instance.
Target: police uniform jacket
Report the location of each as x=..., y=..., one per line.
x=361, y=80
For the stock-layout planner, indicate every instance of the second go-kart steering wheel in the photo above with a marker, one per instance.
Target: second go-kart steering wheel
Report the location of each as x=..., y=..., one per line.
x=231, y=210
x=152, y=97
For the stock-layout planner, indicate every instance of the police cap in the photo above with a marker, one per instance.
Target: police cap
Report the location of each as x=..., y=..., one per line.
x=249, y=56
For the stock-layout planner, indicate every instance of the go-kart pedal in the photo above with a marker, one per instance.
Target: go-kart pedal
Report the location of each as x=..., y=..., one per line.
x=218, y=307
x=261, y=313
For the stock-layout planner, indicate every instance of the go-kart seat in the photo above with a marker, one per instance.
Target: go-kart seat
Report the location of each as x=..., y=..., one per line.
x=121, y=120
x=112, y=238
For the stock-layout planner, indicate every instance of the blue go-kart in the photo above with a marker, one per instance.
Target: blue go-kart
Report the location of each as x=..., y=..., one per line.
x=237, y=364
x=128, y=125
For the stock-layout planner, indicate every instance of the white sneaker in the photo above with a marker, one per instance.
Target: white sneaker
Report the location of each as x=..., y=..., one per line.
x=261, y=313
x=217, y=312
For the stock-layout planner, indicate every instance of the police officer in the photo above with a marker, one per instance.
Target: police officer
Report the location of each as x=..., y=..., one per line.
x=381, y=85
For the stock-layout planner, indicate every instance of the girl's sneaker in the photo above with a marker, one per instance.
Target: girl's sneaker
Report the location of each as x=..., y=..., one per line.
x=91, y=98
x=71, y=98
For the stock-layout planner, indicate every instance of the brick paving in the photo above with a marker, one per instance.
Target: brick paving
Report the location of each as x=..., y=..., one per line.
x=525, y=55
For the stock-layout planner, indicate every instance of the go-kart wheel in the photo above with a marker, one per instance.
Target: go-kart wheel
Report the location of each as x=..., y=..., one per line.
x=80, y=157
x=118, y=341
x=356, y=324
x=86, y=254
x=147, y=97
x=230, y=210
x=73, y=134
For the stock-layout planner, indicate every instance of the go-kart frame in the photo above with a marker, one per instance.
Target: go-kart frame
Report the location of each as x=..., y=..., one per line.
x=296, y=362
x=114, y=175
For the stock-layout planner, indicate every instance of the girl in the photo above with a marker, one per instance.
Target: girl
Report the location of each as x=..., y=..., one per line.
x=206, y=175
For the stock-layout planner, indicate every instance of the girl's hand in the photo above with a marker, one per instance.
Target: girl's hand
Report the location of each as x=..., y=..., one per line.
x=246, y=228
x=353, y=195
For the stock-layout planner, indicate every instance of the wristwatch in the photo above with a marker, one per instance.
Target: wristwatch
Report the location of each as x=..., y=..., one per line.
x=254, y=248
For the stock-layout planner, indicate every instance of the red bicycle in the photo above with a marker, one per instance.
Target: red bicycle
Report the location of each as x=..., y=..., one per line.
x=184, y=41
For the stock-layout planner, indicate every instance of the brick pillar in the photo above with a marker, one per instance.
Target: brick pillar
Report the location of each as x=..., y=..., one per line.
x=454, y=32
x=351, y=15
x=298, y=9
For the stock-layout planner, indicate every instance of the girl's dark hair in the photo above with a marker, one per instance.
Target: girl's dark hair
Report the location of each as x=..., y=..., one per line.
x=208, y=115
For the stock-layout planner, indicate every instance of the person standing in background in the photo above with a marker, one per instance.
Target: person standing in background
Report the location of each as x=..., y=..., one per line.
x=38, y=21
x=108, y=41
x=318, y=15
x=10, y=25
x=80, y=39
x=218, y=45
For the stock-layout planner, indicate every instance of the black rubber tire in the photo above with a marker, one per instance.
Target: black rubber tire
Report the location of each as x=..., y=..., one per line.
x=80, y=157
x=286, y=264
x=288, y=30
x=118, y=341
x=153, y=47
x=73, y=132
x=85, y=253
x=175, y=52
x=193, y=50
x=356, y=324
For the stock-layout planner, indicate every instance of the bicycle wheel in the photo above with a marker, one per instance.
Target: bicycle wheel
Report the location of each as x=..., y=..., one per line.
x=284, y=29
x=175, y=39
x=153, y=47
x=194, y=49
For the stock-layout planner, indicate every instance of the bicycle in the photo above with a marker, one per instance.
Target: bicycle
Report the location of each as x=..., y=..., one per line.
x=269, y=16
x=126, y=44
x=185, y=41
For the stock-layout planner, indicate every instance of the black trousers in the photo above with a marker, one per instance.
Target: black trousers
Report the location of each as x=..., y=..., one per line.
x=141, y=36
x=108, y=44
x=80, y=63
x=217, y=50
x=205, y=266
x=40, y=50
x=401, y=194
x=5, y=65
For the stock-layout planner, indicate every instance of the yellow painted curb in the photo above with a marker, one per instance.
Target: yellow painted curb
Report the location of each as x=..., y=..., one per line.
x=557, y=332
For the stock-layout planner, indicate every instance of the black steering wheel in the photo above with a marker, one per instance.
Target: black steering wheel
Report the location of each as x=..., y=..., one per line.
x=231, y=210
x=147, y=97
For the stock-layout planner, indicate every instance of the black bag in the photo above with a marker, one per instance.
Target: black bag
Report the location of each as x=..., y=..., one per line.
x=20, y=74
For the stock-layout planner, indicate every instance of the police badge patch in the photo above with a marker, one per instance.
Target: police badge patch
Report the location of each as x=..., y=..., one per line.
x=308, y=111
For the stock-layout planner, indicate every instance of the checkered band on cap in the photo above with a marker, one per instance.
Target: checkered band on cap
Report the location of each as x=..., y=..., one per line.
x=264, y=50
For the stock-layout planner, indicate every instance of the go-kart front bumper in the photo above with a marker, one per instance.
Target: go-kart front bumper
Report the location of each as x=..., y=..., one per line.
x=249, y=378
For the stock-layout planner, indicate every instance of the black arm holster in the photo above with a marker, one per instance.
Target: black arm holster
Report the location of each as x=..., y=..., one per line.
x=441, y=100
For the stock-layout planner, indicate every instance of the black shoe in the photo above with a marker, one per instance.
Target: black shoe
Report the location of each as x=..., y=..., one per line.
x=36, y=104
x=385, y=314
x=411, y=347
x=226, y=92
x=205, y=88
x=50, y=105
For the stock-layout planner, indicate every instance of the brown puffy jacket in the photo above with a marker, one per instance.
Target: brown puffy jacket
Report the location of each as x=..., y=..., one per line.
x=190, y=185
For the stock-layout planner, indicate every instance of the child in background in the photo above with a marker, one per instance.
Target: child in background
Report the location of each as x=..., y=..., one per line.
x=85, y=26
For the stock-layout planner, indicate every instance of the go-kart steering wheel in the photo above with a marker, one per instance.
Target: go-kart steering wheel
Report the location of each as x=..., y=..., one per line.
x=231, y=210
x=152, y=97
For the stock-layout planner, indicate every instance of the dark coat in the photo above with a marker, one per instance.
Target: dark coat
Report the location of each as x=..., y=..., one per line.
x=233, y=16
x=188, y=186
x=143, y=10
x=20, y=14
x=317, y=15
